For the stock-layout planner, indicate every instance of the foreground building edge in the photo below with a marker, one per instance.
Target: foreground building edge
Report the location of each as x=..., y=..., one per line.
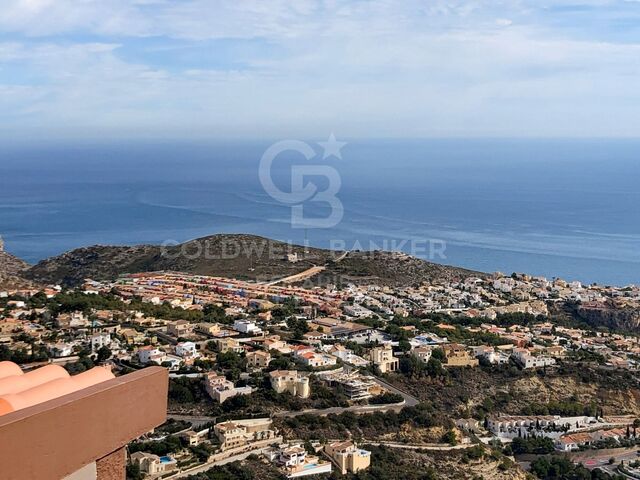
x=92, y=426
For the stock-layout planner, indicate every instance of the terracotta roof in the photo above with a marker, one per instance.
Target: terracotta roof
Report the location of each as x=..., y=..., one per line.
x=8, y=369
x=22, y=390
x=576, y=438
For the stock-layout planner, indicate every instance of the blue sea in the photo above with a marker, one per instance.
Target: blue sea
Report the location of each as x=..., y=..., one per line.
x=558, y=208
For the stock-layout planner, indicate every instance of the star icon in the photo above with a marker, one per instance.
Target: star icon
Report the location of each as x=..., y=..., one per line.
x=332, y=147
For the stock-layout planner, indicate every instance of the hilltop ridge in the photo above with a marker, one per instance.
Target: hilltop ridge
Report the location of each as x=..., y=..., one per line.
x=247, y=257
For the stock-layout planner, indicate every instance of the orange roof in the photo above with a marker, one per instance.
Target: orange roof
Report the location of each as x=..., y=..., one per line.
x=445, y=326
x=8, y=369
x=576, y=438
x=22, y=382
x=299, y=348
x=43, y=384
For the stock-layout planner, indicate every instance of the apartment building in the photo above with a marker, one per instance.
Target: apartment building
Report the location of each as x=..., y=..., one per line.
x=355, y=385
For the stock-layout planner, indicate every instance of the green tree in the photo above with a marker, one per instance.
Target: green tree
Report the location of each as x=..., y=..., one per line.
x=133, y=472
x=450, y=438
x=214, y=314
x=434, y=367
x=298, y=326
x=438, y=354
x=104, y=354
x=412, y=366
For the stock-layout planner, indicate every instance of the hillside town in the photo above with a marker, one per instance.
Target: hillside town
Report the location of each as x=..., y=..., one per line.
x=251, y=364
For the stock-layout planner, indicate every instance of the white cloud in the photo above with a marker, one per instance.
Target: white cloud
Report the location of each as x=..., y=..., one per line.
x=358, y=68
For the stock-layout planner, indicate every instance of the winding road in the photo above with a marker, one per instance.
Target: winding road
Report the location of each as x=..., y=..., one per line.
x=408, y=401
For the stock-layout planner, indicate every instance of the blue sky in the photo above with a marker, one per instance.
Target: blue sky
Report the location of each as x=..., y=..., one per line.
x=273, y=68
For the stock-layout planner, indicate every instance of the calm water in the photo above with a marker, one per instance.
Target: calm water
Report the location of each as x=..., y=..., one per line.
x=556, y=208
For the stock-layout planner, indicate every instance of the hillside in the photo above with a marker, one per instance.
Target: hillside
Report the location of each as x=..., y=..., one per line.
x=238, y=256
x=11, y=270
x=392, y=268
x=515, y=392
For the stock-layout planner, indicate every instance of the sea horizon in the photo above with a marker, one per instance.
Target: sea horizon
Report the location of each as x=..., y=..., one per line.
x=553, y=207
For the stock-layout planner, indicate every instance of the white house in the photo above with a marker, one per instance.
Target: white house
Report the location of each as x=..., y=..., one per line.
x=220, y=389
x=292, y=456
x=60, y=350
x=317, y=360
x=187, y=350
x=422, y=353
x=526, y=360
x=100, y=340
x=246, y=326
x=150, y=354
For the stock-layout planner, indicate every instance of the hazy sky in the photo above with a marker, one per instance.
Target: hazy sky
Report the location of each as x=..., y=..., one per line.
x=303, y=68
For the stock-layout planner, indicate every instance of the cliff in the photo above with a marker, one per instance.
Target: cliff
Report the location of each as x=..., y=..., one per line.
x=611, y=314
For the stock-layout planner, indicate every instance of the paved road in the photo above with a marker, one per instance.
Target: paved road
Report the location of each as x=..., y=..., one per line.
x=308, y=273
x=198, y=420
x=342, y=257
x=207, y=466
x=600, y=458
x=437, y=447
x=195, y=420
x=409, y=401
x=322, y=412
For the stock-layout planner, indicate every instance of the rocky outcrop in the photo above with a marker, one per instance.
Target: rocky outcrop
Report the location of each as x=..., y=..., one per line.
x=11, y=271
x=612, y=314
